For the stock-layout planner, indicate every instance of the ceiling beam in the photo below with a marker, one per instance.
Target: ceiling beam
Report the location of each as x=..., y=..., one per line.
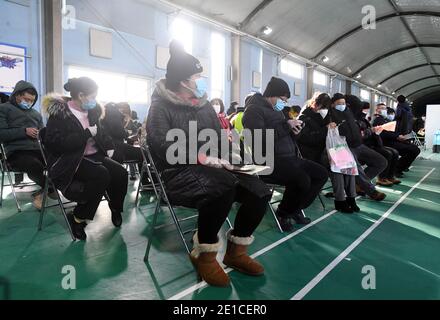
x=254, y=12
x=406, y=70
x=380, y=19
x=411, y=32
x=421, y=90
x=413, y=82
x=389, y=54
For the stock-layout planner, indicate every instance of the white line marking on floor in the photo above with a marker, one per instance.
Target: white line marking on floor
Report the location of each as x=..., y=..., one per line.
x=312, y=284
x=256, y=255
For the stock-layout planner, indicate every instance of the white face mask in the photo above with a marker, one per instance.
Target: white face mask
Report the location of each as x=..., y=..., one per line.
x=323, y=113
x=217, y=108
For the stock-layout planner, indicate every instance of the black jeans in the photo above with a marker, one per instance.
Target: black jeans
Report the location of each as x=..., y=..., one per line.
x=97, y=176
x=249, y=216
x=408, y=153
x=392, y=156
x=30, y=162
x=303, y=180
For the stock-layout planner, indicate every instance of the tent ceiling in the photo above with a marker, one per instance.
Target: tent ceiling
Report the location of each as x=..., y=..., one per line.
x=408, y=77
x=308, y=27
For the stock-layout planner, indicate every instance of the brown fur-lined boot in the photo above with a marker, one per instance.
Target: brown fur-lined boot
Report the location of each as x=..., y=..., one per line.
x=204, y=259
x=237, y=257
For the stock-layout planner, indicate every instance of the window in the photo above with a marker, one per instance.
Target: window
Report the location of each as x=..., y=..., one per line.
x=115, y=87
x=182, y=31
x=218, y=65
x=365, y=95
x=138, y=90
x=319, y=78
x=292, y=69
x=376, y=98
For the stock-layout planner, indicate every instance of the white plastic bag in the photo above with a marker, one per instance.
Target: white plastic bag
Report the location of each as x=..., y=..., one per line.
x=340, y=156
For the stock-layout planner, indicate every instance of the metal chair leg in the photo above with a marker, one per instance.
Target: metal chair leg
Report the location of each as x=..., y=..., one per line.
x=272, y=210
x=11, y=183
x=322, y=202
x=1, y=190
x=63, y=210
x=276, y=218
x=228, y=221
x=179, y=228
x=139, y=189
x=43, y=208
x=156, y=215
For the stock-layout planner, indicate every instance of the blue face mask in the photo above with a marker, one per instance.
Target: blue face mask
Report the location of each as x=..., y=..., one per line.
x=280, y=105
x=391, y=117
x=384, y=113
x=25, y=105
x=341, y=107
x=89, y=105
x=202, y=88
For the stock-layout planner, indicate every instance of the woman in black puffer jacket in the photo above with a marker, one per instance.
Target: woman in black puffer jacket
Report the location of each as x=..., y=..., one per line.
x=201, y=181
x=79, y=155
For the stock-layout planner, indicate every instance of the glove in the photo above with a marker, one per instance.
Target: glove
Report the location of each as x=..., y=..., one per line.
x=110, y=153
x=93, y=131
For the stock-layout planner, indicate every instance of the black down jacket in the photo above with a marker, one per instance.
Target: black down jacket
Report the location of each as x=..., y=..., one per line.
x=348, y=127
x=190, y=185
x=313, y=138
x=66, y=140
x=260, y=115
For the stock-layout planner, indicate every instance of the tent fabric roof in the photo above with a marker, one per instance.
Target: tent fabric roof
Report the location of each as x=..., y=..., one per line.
x=407, y=35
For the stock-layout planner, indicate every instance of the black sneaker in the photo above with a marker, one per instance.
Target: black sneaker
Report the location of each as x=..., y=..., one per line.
x=300, y=218
x=116, y=218
x=285, y=222
x=77, y=228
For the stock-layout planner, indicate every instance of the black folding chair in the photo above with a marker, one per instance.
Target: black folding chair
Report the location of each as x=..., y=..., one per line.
x=49, y=184
x=163, y=201
x=7, y=171
x=146, y=169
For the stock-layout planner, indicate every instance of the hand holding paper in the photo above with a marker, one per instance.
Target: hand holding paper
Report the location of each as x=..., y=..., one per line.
x=391, y=126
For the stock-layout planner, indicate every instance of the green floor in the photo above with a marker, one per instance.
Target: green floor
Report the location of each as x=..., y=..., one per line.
x=403, y=250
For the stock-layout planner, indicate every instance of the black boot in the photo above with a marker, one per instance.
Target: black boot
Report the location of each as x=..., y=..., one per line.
x=342, y=206
x=285, y=222
x=300, y=218
x=77, y=228
x=353, y=205
x=116, y=218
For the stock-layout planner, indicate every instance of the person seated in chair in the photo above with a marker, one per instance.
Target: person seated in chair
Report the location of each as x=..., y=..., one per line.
x=313, y=145
x=114, y=125
x=341, y=114
x=203, y=181
x=79, y=155
x=303, y=179
x=372, y=139
x=19, y=126
x=408, y=152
